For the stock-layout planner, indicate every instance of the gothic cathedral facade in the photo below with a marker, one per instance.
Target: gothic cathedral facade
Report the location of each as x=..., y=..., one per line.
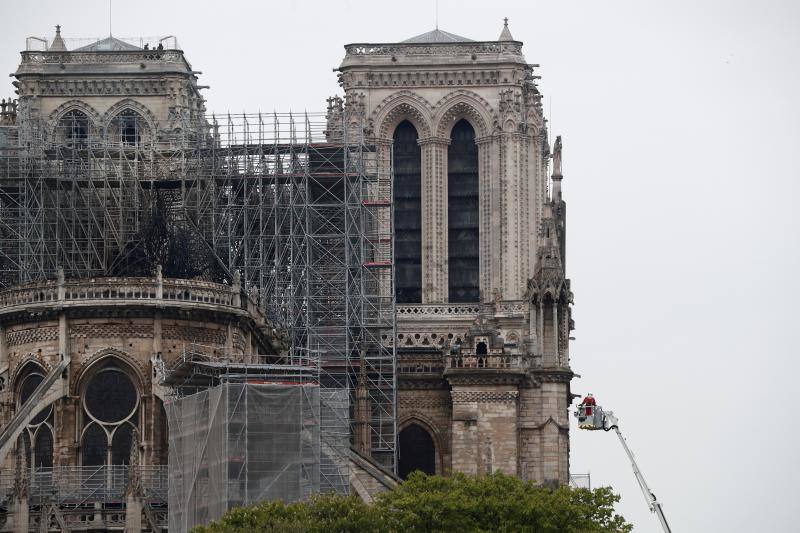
x=483, y=304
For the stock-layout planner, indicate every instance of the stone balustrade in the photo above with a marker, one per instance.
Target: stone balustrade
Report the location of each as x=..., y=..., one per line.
x=498, y=362
x=427, y=49
x=425, y=311
x=511, y=308
x=98, y=291
x=128, y=56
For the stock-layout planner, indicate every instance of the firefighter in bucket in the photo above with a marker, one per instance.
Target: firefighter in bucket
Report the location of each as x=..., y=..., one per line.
x=589, y=414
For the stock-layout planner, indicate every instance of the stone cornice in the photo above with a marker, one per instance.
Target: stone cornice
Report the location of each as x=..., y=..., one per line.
x=106, y=86
x=468, y=53
x=556, y=375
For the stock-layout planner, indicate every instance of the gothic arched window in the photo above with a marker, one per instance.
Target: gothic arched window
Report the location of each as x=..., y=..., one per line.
x=462, y=215
x=110, y=408
x=407, y=214
x=127, y=128
x=38, y=435
x=417, y=451
x=72, y=129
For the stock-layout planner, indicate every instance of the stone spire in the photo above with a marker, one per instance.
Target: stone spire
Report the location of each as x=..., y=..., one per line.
x=58, y=43
x=506, y=33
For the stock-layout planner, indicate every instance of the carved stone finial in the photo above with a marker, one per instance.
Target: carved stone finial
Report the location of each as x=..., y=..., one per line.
x=58, y=43
x=505, y=35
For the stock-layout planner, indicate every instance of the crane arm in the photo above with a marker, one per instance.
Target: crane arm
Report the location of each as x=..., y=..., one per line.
x=609, y=423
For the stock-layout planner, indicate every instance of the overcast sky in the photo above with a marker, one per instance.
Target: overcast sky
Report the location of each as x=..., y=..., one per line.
x=681, y=131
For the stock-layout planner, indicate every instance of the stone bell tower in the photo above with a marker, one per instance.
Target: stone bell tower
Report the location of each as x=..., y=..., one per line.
x=108, y=92
x=478, y=234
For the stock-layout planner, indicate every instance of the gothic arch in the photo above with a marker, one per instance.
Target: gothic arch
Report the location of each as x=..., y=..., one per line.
x=128, y=104
x=25, y=367
x=426, y=424
x=126, y=363
x=133, y=105
x=400, y=106
x=463, y=104
x=20, y=369
x=75, y=105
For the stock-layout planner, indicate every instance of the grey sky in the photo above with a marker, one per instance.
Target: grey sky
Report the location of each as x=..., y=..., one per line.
x=681, y=130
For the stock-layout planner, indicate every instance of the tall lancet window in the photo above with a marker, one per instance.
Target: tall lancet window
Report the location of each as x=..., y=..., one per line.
x=462, y=214
x=407, y=214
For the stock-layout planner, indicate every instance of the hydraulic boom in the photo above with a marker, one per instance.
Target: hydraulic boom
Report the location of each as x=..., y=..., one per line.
x=592, y=417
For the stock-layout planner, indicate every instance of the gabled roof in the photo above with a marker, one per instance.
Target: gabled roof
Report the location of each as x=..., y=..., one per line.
x=109, y=44
x=437, y=36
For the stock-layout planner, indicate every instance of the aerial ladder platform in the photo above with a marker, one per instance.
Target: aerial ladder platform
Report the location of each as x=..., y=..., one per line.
x=592, y=417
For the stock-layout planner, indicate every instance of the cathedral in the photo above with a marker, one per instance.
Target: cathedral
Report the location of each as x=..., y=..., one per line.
x=471, y=229
x=483, y=304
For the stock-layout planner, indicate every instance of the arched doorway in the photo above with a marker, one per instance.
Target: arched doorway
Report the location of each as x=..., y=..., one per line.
x=417, y=451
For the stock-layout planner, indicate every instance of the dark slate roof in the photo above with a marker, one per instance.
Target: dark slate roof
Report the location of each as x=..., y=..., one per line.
x=437, y=36
x=109, y=44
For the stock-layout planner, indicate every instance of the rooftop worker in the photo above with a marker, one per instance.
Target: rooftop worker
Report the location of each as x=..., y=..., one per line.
x=589, y=401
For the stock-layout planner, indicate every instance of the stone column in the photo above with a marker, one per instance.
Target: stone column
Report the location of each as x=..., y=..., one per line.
x=509, y=177
x=133, y=514
x=540, y=327
x=384, y=189
x=533, y=326
x=3, y=348
x=20, y=514
x=487, y=213
x=555, y=333
x=63, y=335
x=434, y=219
x=157, y=333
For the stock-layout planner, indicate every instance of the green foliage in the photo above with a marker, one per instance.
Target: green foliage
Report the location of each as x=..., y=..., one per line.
x=431, y=503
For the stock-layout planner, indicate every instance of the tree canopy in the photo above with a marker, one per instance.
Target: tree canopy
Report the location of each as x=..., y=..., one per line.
x=496, y=502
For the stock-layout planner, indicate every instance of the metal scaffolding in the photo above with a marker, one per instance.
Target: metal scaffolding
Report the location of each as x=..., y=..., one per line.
x=299, y=206
x=240, y=443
